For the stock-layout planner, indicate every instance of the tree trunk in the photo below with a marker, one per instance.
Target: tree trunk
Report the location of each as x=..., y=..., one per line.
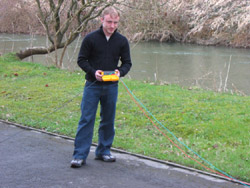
x=34, y=51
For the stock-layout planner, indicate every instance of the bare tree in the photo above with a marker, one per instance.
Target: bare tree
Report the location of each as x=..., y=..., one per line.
x=63, y=21
x=152, y=20
x=16, y=16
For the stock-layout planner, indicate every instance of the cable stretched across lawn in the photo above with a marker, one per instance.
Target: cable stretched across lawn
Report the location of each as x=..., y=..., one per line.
x=148, y=114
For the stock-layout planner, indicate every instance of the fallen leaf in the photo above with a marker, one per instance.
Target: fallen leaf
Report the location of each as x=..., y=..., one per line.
x=215, y=146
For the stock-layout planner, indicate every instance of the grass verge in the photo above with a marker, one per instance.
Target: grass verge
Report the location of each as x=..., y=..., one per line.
x=214, y=125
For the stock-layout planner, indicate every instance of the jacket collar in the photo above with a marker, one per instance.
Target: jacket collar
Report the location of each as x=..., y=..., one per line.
x=102, y=32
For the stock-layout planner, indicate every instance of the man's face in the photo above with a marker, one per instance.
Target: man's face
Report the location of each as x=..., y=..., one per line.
x=109, y=24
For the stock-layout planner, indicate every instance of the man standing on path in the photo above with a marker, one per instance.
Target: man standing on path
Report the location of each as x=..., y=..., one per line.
x=100, y=51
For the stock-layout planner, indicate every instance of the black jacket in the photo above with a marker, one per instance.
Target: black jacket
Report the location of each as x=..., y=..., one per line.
x=96, y=53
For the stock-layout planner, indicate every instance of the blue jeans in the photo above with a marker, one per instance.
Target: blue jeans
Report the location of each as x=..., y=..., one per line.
x=106, y=94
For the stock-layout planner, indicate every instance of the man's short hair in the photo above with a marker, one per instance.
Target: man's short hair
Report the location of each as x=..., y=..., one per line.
x=110, y=11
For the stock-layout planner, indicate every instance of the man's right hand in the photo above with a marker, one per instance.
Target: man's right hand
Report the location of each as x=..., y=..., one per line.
x=98, y=75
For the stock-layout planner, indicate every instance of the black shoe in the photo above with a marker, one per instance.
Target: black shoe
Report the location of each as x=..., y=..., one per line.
x=77, y=163
x=106, y=158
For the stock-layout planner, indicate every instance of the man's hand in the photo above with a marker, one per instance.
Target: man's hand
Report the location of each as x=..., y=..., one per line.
x=117, y=72
x=98, y=75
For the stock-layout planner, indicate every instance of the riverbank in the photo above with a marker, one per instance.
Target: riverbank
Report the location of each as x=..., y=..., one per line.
x=215, y=125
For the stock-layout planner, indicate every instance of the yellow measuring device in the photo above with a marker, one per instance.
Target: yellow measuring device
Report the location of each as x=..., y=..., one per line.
x=109, y=76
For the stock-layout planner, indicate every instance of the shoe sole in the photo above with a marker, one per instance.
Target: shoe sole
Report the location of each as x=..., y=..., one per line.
x=77, y=165
x=101, y=159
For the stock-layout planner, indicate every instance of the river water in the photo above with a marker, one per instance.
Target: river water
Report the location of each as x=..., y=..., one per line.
x=213, y=68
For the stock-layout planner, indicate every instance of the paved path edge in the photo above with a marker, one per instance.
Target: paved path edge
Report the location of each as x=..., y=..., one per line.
x=125, y=152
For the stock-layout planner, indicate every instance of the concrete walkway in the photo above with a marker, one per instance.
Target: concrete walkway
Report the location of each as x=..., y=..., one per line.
x=31, y=159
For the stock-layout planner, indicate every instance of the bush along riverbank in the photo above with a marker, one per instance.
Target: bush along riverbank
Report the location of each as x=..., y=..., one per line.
x=216, y=126
x=209, y=22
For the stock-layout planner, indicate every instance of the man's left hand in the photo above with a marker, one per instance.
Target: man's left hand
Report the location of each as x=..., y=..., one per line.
x=117, y=72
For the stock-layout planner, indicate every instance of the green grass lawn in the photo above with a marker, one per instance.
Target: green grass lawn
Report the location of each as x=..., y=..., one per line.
x=216, y=126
